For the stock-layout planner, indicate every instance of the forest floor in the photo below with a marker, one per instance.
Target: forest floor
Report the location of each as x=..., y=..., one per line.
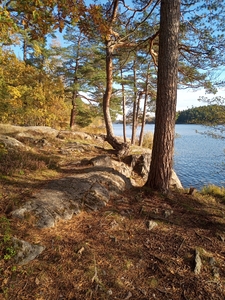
x=141, y=245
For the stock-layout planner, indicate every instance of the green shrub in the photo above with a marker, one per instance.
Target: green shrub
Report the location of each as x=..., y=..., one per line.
x=7, y=248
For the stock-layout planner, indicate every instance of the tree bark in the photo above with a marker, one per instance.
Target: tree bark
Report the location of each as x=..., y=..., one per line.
x=163, y=143
x=124, y=108
x=145, y=108
x=121, y=148
x=134, y=120
x=108, y=90
x=75, y=91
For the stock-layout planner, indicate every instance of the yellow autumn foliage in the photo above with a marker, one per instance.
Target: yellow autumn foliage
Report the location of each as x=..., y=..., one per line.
x=29, y=96
x=14, y=92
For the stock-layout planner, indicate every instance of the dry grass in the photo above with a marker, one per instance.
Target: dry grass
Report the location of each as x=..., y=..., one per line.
x=148, y=140
x=111, y=253
x=95, y=129
x=215, y=191
x=12, y=162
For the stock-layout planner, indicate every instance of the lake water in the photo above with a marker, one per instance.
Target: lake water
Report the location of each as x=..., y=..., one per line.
x=199, y=160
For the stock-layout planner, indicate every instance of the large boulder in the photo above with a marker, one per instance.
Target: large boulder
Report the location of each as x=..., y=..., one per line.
x=65, y=134
x=11, y=143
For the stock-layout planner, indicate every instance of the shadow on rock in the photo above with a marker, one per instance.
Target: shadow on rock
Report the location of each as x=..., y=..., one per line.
x=91, y=189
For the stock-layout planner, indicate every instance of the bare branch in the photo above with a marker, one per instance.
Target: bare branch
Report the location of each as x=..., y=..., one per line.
x=137, y=10
x=90, y=100
x=153, y=54
x=139, y=24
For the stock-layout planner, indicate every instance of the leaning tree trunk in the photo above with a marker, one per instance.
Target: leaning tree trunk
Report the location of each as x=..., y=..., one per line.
x=163, y=143
x=108, y=91
x=121, y=148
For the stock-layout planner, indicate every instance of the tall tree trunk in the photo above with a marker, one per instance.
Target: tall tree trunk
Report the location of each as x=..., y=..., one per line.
x=75, y=91
x=141, y=136
x=134, y=120
x=24, y=50
x=163, y=143
x=145, y=108
x=25, y=44
x=124, y=108
x=73, y=109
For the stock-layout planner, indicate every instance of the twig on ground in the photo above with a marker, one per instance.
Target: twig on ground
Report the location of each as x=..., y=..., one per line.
x=203, y=236
x=181, y=245
x=95, y=277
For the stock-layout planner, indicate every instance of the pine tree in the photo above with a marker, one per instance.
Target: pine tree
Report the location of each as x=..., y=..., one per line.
x=163, y=143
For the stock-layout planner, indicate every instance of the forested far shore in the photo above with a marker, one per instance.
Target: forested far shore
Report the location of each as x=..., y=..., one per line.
x=205, y=115
x=209, y=114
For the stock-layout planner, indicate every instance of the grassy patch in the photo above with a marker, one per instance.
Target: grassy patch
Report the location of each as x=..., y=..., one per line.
x=7, y=249
x=148, y=140
x=19, y=162
x=215, y=191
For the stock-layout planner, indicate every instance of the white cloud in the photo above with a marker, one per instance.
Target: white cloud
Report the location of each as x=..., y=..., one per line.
x=188, y=98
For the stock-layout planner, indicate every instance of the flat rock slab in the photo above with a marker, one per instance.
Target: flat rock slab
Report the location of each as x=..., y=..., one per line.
x=43, y=130
x=62, y=198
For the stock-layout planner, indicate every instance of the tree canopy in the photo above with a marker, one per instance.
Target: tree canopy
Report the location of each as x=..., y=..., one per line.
x=130, y=29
